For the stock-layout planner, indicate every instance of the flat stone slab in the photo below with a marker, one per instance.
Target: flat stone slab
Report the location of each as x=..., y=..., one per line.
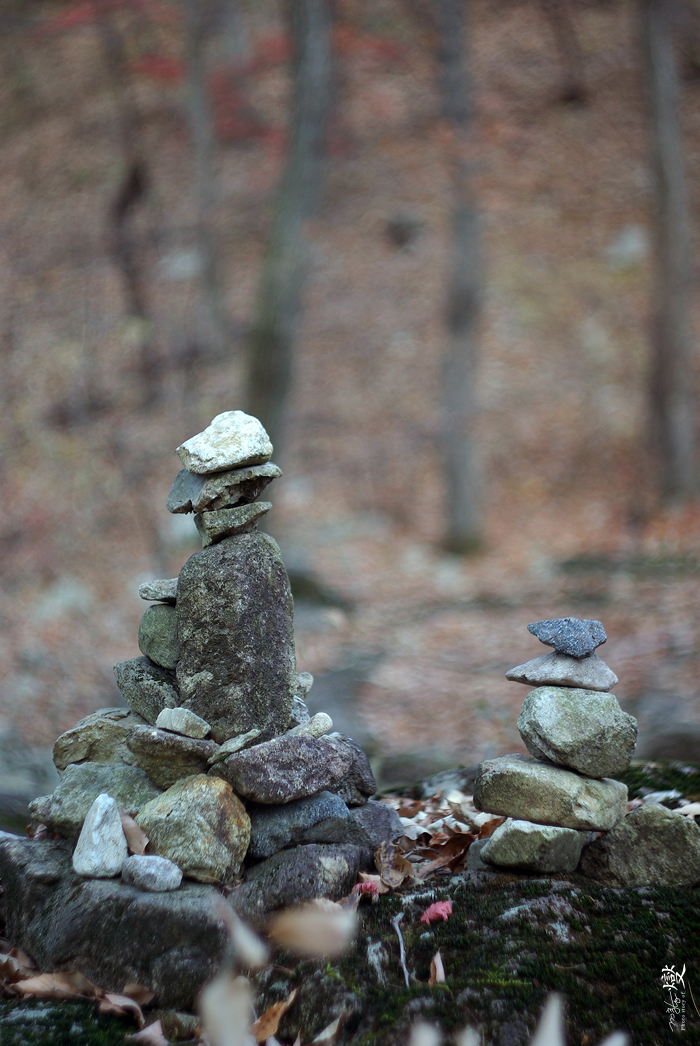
x=98, y=738
x=158, y=635
x=182, y=721
x=320, y=818
x=232, y=440
x=170, y=943
x=146, y=687
x=166, y=757
x=583, y=730
x=569, y=635
x=193, y=493
x=651, y=846
x=555, y=669
x=213, y=526
x=163, y=590
x=533, y=847
x=529, y=790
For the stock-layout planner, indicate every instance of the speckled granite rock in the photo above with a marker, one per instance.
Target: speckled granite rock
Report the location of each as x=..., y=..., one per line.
x=534, y=847
x=372, y=824
x=320, y=818
x=146, y=687
x=555, y=669
x=166, y=757
x=233, y=439
x=570, y=635
x=158, y=635
x=99, y=738
x=148, y=872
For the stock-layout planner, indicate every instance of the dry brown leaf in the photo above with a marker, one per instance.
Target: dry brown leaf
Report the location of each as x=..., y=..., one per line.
x=490, y=827
x=56, y=986
x=122, y=1006
x=150, y=1036
x=12, y=968
x=138, y=993
x=226, y=1009
x=267, y=1024
x=136, y=837
x=328, y=1036
x=392, y=865
x=320, y=927
x=437, y=970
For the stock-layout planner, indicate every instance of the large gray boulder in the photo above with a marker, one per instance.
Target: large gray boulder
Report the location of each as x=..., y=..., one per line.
x=166, y=757
x=236, y=668
x=581, y=729
x=528, y=790
x=99, y=738
x=321, y=818
x=556, y=669
x=651, y=846
x=533, y=847
x=146, y=687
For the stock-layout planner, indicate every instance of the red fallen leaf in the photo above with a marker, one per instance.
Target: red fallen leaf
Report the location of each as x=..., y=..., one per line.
x=437, y=970
x=267, y=1024
x=438, y=910
x=410, y=809
x=490, y=827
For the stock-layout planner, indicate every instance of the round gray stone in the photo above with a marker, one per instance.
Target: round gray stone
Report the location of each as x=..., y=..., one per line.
x=151, y=873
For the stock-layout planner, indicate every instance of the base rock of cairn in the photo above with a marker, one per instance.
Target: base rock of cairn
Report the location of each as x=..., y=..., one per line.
x=216, y=758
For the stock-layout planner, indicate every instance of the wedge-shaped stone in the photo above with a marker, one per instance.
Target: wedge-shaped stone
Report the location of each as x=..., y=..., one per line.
x=101, y=848
x=193, y=493
x=99, y=738
x=158, y=635
x=570, y=635
x=81, y=784
x=151, y=873
x=166, y=757
x=581, y=729
x=373, y=824
x=529, y=790
x=146, y=687
x=535, y=847
x=201, y=826
x=232, y=440
x=555, y=669
x=358, y=784
x=651, y=846
x=319, y=818
x=163, y=590
x=182, y=721
x=225, y=522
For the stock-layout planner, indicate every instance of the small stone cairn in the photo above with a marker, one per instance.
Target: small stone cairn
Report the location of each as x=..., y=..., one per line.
x=216, y=757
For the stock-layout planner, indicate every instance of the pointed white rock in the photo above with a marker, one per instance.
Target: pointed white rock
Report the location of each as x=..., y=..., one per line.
x=101, y=849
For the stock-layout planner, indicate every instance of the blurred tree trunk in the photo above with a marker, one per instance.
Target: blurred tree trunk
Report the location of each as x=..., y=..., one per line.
x=464, y=288
x=673, y=399
x=285, y=265
x=558, y=14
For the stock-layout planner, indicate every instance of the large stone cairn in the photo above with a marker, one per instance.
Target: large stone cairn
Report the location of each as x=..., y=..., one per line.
x=216, y=756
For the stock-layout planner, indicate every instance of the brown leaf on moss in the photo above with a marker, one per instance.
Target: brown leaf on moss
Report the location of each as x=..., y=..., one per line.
x=268, y=1023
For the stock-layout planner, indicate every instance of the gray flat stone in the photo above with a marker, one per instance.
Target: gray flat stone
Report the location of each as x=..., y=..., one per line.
x=151, y=873
x=162, y=591
x=225, y=522
x=166, y=757
x=158, y=635
x=66, y=810
x=146, y=687
x=321, y=818
x=237, y=666
x=651, y=846
x=372, y=824
x=529, y=790
x=569, y=635
x=232, y=440
x=201, y=826
x=316, y=726
x=235, y=744
x=101, y=848
x=193, y=493
x=182, y=721
x=534, y=847
x=98, y=738
x=590, y=673
x=583, y=730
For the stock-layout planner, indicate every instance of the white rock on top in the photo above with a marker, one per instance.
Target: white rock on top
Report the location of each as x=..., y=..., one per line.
x=232, y=440
x=182, y=721
x=554, y=669
x=101, y=848
x=318, y=726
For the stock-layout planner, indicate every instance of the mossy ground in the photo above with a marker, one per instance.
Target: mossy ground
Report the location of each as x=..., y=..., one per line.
x=42, y=1022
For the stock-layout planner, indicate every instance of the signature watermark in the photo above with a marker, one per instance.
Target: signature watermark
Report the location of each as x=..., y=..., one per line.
x=673, y=985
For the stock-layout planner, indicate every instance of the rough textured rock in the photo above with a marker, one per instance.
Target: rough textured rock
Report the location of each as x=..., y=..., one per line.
x=183, y=721
x=158, y=635
x=169, y=943
x=147, y=688
x=81, y=784
x=570, y=635
x=474, y=861
x=232, y=440
x=163, y=590
x=528, y=790
x=555, y=669
x=237, y=667
x=167, y=757
x=534, y=847
x=321, y=818
x=300, y=713
x=358, y=784
x=213, y=526
x=200, y=825
x=193, y=493
x=148, y=872
x=289, y=767
x=372, y=824
x=100, y=738
x=304, y=683
x=235, y=744
x=293, y=876
x=650, y=846
x=101, y=848
x=581, y=729
x=316, y=726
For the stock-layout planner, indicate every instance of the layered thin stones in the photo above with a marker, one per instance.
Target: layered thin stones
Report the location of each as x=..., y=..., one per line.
x=146, y=687
x=182, y=721
x=205, y=493
x=213, y=526
x=232, y=440
x=535, y=847
x=569, y=635
x=590, y=673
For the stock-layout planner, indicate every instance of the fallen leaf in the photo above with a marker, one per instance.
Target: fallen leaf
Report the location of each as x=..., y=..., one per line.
x=690, y=810
x=15, y=965
x=138, y=993
x=56, y=986
x=250, y=950
x=438, y=910
x=226, y=1009
x=136, y=838
x=328, y=1036
x=122, y=1006
x=437, y=970
x=392, y=865
x=490, y=827
x=320, y=927
x=150, y=1036
x=268, y=1023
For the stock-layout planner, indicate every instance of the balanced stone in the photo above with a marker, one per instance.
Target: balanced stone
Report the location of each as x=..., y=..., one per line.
x=372, y=824
x=200, y=825
x=101, y=848
x=319, y=818
x=81, y=783
x=317, y=726
x=166, y=757
x=529, y=790
x=182, y=721
x=651, y=846
x=580, y=729
x=535, y=847
x=232, y=440
x=151, y=873
x=555, y=669
x=158, y=635
x=146, y=687
x=358, y=784
x=193, y=493
x=162, y=591
x=99, y=738
x=236, y=667
x=213, y=526
x=235, y=744
x=569, y=635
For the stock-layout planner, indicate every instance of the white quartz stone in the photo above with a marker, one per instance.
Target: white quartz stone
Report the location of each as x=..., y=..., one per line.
x=101, y=848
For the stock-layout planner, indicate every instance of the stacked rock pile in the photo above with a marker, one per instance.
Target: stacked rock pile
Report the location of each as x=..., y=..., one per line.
x=216, y=756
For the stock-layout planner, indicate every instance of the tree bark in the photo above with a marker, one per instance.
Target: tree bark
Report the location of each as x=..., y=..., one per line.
x=672, y=393
x=285, y=266
x=464, y=290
